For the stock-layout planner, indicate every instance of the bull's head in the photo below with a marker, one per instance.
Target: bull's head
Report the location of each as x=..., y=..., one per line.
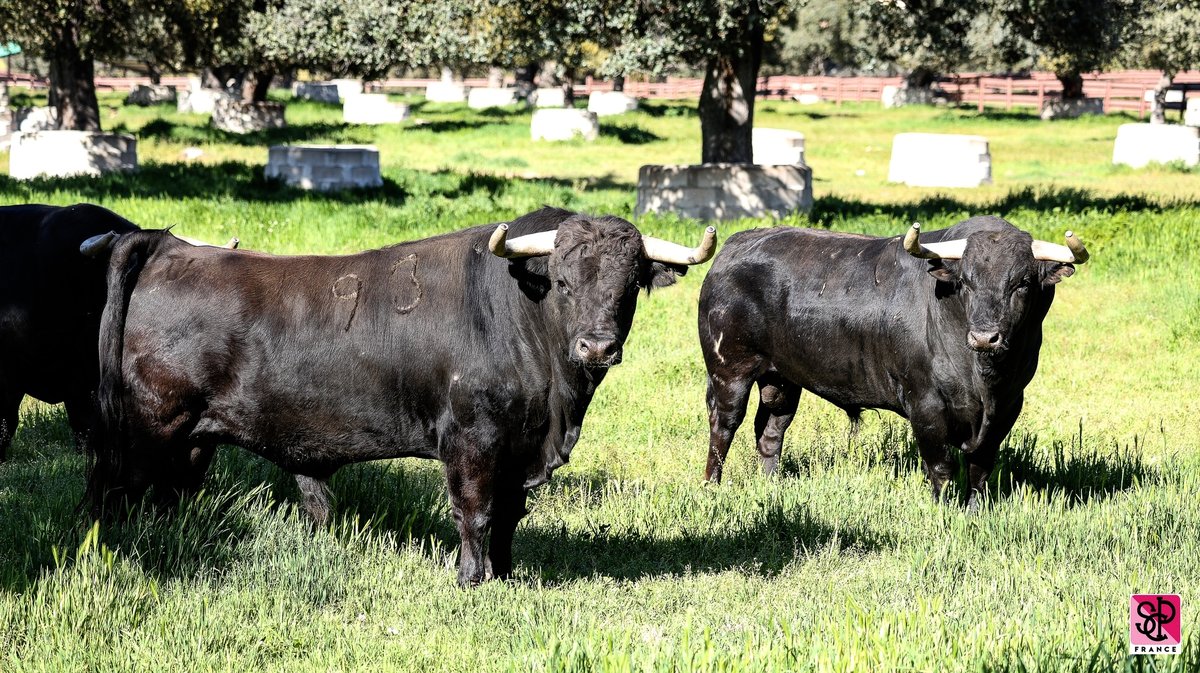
x=596, y=266
x=1002, y=275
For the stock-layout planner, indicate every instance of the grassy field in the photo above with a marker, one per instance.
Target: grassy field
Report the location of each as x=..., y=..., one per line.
x=627, y=561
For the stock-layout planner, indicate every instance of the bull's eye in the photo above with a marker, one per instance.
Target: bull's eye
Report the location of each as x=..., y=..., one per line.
x=562, y=287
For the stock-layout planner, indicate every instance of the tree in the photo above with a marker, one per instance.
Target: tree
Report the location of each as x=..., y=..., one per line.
x=1069, y=37
x=1165, y=40
x=824, y=35
x=70, y=35
x=725, y=37
x=922, y=38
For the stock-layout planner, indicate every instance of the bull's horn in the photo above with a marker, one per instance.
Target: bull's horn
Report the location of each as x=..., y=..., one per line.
x=673, y=253
x=529, y=245
x=944, y=250
x=99, y=245
x=231, y=245
x=1072, y=253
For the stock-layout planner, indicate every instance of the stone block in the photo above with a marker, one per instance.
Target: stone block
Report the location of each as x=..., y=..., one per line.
x=64, y=153
x=1191, y=115
x=151, y=94
x=550, y=97
x=894, y=96
x=321, y=92
x=1055, y=108
x=607, y=103
x=1141, y=144
x=373, y=108
x=235, y=116
x=31, y=119
x=564, y=124
x=446, y=92
x=486, y=97
x=940, y=160
x=325, y=167
x=347, y=87
x=200, y=101
x=777, y=146
x=724, y=191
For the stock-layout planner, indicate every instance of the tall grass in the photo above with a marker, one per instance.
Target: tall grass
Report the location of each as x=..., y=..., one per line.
x=627, y=561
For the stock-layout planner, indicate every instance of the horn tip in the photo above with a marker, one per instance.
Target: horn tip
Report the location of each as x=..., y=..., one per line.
x=711, y=229
x=1070, y=234
x=503, y=225
x=916, y=226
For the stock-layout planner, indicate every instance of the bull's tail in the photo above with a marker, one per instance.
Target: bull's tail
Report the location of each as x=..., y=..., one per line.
x=109, y=435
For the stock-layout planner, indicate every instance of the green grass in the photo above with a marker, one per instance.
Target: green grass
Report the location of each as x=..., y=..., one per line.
x=627, y=561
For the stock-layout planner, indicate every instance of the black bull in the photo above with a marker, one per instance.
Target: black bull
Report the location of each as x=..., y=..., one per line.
x=947, y=335
x=437, y=348
x=50, y=303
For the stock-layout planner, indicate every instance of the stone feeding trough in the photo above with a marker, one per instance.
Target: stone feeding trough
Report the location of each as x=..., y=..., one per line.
x=321, y=92
x=724, y=191
x=1055, y=108
x=773, y=147
x=235, y=116
x=200, y=101
x=325, y=167
x=607, y=103
x=151, y=94
x=940, y=160
x=66, y=153
x=347, y=87
x=550, y=97
x=1140, y=144
x=564, y=124
x=483, y=98
x=446, y=92
x=372, y=108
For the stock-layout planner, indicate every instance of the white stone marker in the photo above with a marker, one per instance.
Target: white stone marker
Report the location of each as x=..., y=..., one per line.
x=564, y=124
x=200, y=101
x=606, y=103
x=322, y=92
x=1141, y=144
x=372, y=108
x=1191, y=115
x=64, y=153
x=550, y=97
x=724, y=191
x=325, y=167
x=446, y=92
x=777, y=146
x=483, y=98
x=940, y=160
x=347, y=87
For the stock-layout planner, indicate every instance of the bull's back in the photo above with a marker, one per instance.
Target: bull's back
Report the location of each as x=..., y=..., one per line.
x=830, y=312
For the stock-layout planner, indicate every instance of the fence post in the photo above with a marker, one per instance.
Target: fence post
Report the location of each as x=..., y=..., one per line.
x=1107, y=95
x=839, y=91
x=1041, y=96
x=1008, y=99
x=979, y=83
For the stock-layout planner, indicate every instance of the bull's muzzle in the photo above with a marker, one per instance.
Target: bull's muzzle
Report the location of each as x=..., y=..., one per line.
x=986, y=341
x=597, y=350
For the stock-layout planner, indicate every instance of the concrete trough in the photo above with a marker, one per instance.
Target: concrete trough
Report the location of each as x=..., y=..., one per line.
x=66, y=153
x=200, y=101
x=321, y=92
x=608, y=103
x=564, y=124
x=777, y=147
x=325, y=167
x=1140, y=144
x=940, y=160
x=347, y=87
x=724, y=191
x=151, y=94
x=550, y=97
x=1054, y=108
x=373, y=108
x=1191, y=115
x=487, y=97
x=235, y=116
x=446, y=92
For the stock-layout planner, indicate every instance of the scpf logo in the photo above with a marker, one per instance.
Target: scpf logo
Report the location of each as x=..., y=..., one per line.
x=1155, y=623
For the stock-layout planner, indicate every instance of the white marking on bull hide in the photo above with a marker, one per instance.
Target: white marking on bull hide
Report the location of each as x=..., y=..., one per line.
x=346, y=289
x=717, y=348
x=406, y=286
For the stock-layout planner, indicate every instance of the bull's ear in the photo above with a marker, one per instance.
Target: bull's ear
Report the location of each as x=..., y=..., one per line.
x=1052, y=272
x=944, y=270
x=660, y=274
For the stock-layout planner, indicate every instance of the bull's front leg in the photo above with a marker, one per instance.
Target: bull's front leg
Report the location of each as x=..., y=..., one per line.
x=980, y=455
x=508, y=510
x=470, y=478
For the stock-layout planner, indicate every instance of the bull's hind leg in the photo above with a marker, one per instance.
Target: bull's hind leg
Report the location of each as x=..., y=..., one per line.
x=315, y=498
x=80, y=416
x=929, y=428
x=509, y=509
x=10, y=413
x=778, y=399
x=470, y=476
x=727, y=397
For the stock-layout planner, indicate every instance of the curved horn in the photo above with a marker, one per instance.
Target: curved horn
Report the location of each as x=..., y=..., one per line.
x=231, y=245
x=1072, y=253
x=672, y=253
x=944, y=250
x=529, y=245
x=99, y=245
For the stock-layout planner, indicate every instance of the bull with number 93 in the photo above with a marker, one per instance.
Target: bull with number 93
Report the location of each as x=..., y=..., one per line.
x=473, y=348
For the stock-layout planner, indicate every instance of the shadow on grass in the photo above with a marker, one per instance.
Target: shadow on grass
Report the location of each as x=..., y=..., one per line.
x=629, y=135
x=668, y=109
x=450, y=125
x=205, y=134
x=829, y=209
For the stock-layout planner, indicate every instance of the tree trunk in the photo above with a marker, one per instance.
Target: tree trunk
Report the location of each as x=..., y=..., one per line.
x=568, y=87
x=1158, y=110
x=1072, y=85
x=727, y=99
x=256, y=84
x=154, y=74
x=72, y=84
x=495, y=78
x=619, y=83
x=527, y=80
x=920, y=78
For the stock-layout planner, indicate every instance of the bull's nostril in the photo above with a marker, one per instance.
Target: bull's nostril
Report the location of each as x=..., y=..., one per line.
x=995, y=338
